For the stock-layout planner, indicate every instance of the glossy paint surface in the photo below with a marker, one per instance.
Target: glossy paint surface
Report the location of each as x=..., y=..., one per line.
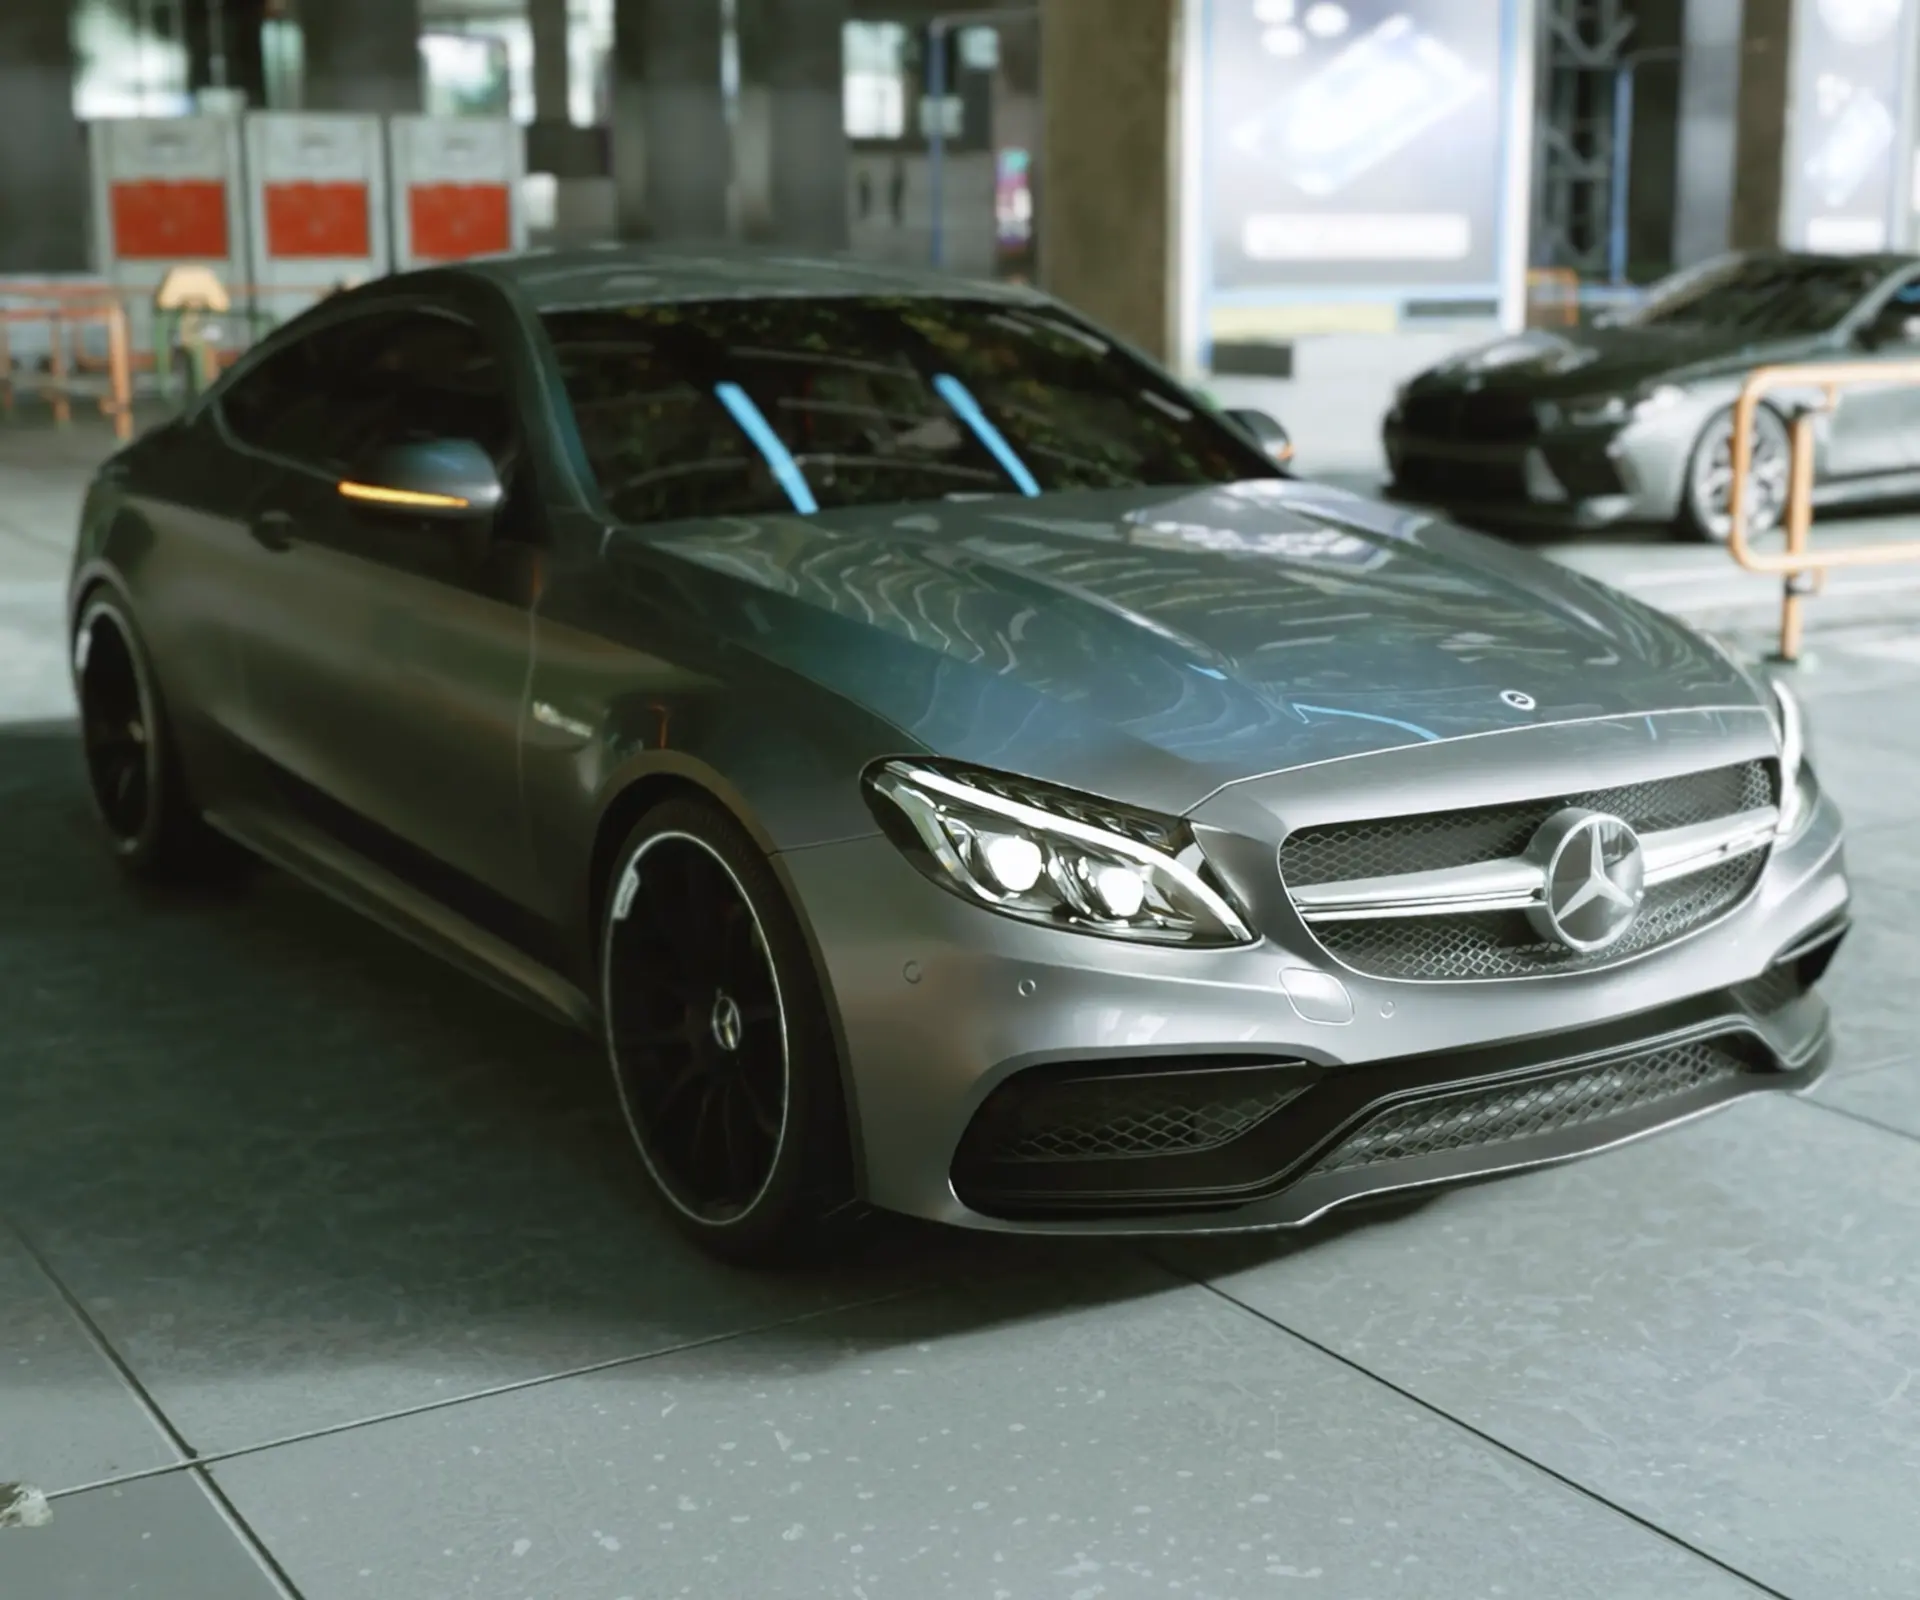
x=447, y=733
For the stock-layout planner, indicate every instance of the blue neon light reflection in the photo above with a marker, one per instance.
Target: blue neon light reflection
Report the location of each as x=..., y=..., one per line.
x=1369, y=716
x=754, y=425
x=967, y=409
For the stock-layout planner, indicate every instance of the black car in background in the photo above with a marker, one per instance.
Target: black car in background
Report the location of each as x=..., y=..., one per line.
x=1631, y=420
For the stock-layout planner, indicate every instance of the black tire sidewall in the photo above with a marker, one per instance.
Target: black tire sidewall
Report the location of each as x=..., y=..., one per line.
x=811, y=1176
x=148, y=851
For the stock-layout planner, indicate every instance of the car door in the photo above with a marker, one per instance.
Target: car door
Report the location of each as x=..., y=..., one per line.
x=386, y=661
x=1875, y=429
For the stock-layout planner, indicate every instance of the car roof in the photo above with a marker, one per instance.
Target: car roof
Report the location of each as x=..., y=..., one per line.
x=589, y=276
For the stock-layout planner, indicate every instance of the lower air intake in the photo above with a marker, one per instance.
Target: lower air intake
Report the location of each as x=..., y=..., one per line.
x=1036, y=1119
x=1478, y=1117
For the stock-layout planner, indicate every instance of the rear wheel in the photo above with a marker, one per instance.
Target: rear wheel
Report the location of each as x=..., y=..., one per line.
x=1705, y=508
x=133, y=771
x=719, y=1039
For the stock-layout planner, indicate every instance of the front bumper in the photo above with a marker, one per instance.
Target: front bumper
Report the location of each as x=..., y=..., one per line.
x=956, y=1024
x=1575, y=480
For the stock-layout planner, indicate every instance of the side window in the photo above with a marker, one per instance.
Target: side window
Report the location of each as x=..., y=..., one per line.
x=278, y=402
x=357, y=386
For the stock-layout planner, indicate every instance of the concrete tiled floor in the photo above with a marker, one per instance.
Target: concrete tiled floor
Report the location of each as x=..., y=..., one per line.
x=325, y=1273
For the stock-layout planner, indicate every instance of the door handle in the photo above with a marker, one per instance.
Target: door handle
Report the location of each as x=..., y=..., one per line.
x=274, y=529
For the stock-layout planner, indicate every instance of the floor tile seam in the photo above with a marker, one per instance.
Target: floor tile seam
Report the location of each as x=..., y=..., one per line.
x=1847, y=1113
x=244, y=1531
x=192, y=1460
x=1489, y=1440
x=108, y=1352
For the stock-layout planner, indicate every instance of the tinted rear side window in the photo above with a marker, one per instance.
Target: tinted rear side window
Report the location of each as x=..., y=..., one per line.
x=352, y=387
x=732, y=407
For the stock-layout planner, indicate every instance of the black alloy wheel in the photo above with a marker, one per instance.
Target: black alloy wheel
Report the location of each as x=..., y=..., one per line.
x=719, y=1041
x=1706, y=512
x=133, y=775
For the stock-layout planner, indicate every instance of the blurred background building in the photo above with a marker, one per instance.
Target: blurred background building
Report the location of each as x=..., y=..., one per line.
x=1126, y=152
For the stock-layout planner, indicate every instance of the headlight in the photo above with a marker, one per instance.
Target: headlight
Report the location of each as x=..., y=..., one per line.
x=1049, y=856
x=1595, y=411
x=1796, y=777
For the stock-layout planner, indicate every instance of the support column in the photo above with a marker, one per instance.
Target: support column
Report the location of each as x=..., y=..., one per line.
x=1707, y=141
x=224, y=48
x=552, y=73
x=807, y=162
x=672, y=150
x=1760, y=139
x=1109, y=165
x=361, y=55
x=43, y=172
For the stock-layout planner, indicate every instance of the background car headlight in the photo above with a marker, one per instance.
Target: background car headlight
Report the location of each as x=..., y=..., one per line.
x=1595, y=411
x=1796, y=775
x=1047, y=855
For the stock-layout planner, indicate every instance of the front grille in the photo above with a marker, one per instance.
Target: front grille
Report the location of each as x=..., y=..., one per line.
x=1498, y=418
x=1476, y=1118
x=1431, y=416
x=1034, y=1118
x=1460, y=482
x=1486, y=418
x=1384, y=846
x=1504, y=944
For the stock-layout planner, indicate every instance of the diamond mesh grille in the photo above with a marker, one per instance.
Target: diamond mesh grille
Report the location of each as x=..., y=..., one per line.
x=1477, y=1118
x=1381, y=847
x=1504, y=945
x=1110, y=1119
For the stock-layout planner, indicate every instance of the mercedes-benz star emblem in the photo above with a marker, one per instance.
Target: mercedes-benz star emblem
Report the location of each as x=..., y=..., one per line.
x=1519, y=699
x=1595, y=879
x=728, y=1024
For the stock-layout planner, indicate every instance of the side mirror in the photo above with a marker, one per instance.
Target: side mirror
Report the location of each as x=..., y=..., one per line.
x=444, y=480
x=1271, y=438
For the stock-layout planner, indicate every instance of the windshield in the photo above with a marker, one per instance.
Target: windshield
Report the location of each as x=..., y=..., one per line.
x=736, y=407
x=1771, y=297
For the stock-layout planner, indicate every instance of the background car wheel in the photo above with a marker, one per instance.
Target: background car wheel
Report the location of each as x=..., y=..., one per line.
x=719, y=1039
x=1710, y=478
x=133, y=772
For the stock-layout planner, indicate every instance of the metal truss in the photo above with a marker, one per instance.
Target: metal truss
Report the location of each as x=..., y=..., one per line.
x=1585, y=54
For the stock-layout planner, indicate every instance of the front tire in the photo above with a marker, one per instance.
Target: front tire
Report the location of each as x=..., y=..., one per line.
x=719, y=1039
x=1703, y=513
x=139, y=793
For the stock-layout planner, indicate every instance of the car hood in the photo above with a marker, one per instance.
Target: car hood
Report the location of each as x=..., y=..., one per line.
x=1153, y=645
x=1602, y=361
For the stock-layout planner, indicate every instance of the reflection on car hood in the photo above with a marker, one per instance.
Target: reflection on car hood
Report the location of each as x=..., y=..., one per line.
x=1153, y=645
x=1599, y=361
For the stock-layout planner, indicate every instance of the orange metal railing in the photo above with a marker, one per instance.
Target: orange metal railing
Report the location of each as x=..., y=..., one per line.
x=1813, y=388
x=66, y=315
x=78, y=366
x=1553, y=297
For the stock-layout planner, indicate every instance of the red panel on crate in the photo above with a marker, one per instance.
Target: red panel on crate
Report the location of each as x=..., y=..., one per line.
x=453, y=220
x=318, y=221
x=170, y=219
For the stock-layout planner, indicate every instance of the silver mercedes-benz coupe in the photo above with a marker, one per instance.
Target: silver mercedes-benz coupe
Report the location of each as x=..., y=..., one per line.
x=953, y=769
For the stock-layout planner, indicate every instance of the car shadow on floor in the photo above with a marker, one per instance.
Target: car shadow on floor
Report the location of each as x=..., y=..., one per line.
x=269, y=1147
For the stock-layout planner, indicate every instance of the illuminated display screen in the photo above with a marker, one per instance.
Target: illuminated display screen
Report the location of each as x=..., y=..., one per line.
x=1843, y=188
x=1358, y=145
